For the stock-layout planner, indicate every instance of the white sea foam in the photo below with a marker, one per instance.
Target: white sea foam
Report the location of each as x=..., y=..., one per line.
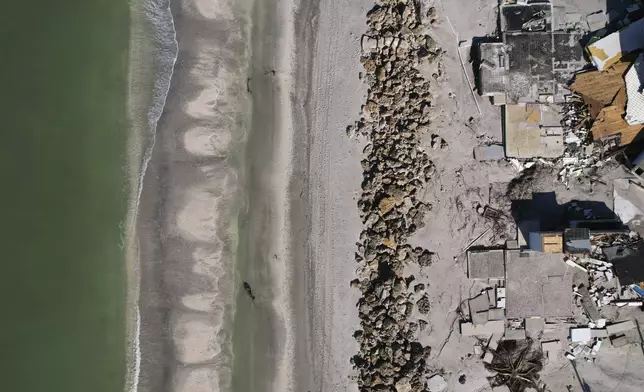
x=136, y=366
x=159, y=16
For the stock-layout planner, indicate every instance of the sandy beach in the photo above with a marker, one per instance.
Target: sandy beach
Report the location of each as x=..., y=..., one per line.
x=333, y=181
x=302, y=222
x=253, y=179
x=189, y=205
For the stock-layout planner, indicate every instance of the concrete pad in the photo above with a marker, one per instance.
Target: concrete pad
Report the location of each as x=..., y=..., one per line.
x=496, y=314
x=620, y=327
x=557, y=294
x=515, y=334
x=619, y=341
x=554, y=345
x=598, y=333
x=492, y=70
x=489, y=153
x=532, y=131
x=491, y=296
x=537, y=285
x=480, y=303
x=487, y=329
x=524, y=228
x=479, y=306
x=534, y=326
x=486, y=264
x=436, y=384
x=494, y=341
x=480, y=318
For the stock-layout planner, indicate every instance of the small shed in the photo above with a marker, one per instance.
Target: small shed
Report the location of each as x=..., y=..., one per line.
x=546, y=241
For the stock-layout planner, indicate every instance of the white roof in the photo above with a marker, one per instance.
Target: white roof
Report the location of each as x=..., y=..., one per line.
x=608, y=50
x=634, y=79
x=580, y=335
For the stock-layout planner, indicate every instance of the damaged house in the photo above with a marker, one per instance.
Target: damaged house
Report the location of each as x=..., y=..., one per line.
x=527, y=72
x=615, y=101
x=609, y=49
x=614, y=90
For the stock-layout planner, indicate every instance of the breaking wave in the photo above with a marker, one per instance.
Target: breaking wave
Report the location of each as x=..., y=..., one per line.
x=160, y=23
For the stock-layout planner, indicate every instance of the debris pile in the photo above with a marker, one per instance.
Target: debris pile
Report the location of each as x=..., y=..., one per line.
x=593, y=118
x=597, y=295
x=586, y=341
x=581, y=154
x=602, y=289
x=575, y=119
x=395, y=168
x=602, y=241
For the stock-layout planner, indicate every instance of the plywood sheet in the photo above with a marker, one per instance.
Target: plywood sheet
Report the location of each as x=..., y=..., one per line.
x=610, y=121
x=600, y=88
x=552, y=243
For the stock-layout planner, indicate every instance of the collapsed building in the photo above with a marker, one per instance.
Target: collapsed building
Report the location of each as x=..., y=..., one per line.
x=550, y=285
x=571, y=91
x=544, y=62
x=527, y=73
x=615, y=101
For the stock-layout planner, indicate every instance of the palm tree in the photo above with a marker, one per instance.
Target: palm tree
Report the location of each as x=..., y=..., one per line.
x=516, y=365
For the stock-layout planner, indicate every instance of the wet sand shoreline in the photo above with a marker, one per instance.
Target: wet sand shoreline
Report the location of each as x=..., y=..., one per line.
x=265, y=198
x=188, y=210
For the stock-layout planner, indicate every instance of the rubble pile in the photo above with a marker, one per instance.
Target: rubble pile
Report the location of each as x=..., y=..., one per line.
x=599, y=242
x=575, y=119
x=585, y=341
x=581, y=154
x=586, y=350
x=395, y=168
x=602, y=289
x=599, y=274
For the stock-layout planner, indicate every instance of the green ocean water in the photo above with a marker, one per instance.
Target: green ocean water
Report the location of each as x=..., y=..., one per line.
x=63, y=101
